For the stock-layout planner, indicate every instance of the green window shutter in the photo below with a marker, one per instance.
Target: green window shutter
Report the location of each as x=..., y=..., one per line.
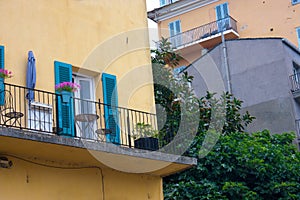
x=2, y=87
x=65, y=110
x=110, y=97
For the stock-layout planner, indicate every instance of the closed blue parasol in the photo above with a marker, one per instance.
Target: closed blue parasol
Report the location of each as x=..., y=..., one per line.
x=30, y=76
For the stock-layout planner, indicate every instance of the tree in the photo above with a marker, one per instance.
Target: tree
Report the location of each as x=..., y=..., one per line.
x=240, y=165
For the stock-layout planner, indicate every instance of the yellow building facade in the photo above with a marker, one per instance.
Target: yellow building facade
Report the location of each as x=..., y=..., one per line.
x=39, y=157
x=199, y=22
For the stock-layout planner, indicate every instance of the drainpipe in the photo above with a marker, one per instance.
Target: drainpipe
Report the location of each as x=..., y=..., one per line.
x=226, y=65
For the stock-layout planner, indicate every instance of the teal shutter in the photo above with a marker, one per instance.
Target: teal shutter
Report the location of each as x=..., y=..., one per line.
x=65, y=110
x=174, y=30
x=2, y=57
x=2, y=87
x=222, y=14
x=111, y=114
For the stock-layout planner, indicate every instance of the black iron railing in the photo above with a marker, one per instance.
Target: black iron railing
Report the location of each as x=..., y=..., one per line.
x=79, y=118
x=202, y=32
x=295, y=81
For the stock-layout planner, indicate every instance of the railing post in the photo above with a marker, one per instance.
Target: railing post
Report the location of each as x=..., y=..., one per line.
x=128, y=129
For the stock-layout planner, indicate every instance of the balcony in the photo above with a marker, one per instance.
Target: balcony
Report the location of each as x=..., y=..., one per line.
x=207, y=35
x=93, y=132
x=87, y=120
x=295, y=82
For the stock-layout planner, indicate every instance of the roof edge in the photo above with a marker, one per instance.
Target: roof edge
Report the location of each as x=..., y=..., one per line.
x=284, y=41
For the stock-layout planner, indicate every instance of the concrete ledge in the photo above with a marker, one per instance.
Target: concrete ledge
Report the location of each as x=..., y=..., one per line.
x=96, y=146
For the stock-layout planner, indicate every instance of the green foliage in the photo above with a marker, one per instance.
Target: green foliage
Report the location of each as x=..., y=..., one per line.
x=241, y=166
x=165, y=55
x=235, y=165
x=177, y=103
x=144, y=130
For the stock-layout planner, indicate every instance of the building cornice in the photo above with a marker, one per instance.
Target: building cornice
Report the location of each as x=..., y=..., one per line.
x=177, y=8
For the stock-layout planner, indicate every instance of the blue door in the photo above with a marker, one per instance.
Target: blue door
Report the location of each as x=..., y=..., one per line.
x=65, y=110
x=111, y=114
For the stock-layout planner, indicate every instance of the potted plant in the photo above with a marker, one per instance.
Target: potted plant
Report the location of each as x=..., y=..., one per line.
x=145, y=137
x=66, y=89
x=4, y=73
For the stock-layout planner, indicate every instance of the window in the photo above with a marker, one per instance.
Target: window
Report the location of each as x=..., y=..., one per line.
x=296, y=76
x=166, y=2
x=175, y=37
x=295, y=2
x=178, y=70
x=222, y=15
x=298, y=36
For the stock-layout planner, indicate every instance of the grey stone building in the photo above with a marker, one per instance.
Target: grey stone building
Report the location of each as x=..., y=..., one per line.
x=262, y=72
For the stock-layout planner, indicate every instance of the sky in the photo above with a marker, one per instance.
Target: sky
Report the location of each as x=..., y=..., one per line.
x=151, y=4
x=153, y=33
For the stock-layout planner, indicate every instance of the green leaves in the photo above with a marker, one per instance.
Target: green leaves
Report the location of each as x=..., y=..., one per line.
x=244, y=166
x=231, y=164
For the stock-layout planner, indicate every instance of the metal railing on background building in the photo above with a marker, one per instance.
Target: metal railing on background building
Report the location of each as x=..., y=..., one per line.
x=202, y=32
x=298, y=127
x=93, y=120
x=295, y=81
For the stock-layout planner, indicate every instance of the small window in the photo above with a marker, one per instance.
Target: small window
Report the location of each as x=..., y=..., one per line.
x=163, y=2
x=175, y=30
x=166, y=2
x=296, y=76
x=298, y=36
x=295, y=2
x=177, y=71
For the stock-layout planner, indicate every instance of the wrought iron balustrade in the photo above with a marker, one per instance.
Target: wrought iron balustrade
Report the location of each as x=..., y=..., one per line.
x=92, y=120
x=202, y=32
x=295, y=81
x=298, y=127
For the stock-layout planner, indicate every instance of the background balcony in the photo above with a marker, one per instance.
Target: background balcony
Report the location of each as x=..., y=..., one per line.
x=295, y=82
x=207, y=35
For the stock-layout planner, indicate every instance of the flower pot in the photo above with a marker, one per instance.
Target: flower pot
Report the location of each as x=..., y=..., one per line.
x=66, y=96
x=148, y=143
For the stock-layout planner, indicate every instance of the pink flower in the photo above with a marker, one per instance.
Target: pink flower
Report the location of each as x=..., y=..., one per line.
x=4, y=73
x=67, y=86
